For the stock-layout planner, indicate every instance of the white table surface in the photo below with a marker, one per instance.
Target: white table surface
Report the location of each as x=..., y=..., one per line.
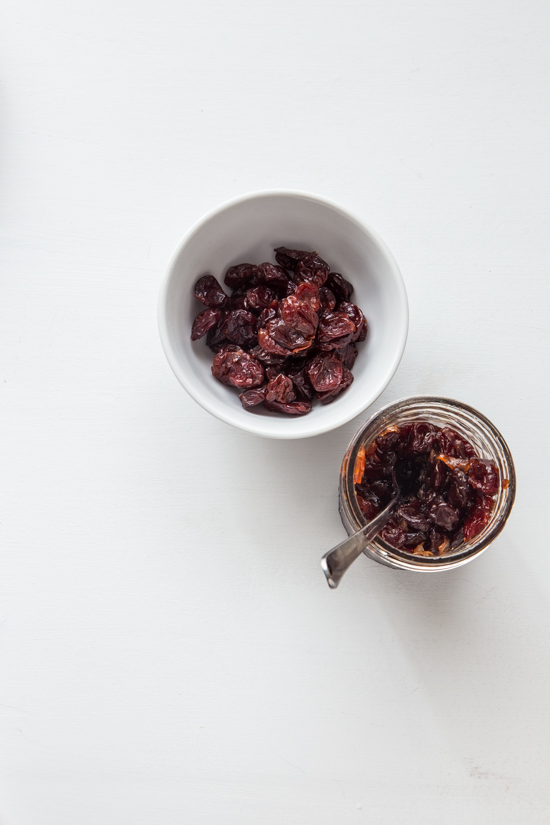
x=170, y=652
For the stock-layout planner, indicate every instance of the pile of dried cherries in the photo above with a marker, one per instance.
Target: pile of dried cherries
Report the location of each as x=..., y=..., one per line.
x=450, y=493
x=286, y=335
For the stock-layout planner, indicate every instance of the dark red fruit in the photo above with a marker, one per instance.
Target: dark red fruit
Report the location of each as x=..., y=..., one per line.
x=203, y=322
x=454, y=445
x=302, y=385
x=237, y=276
x=234, y=367
x=280, y=389
x=251, y=398
x=354, y=314
x=325, y=373
x=269, y=359
x=308, y=272
x=478, y=517
x=341, y=288
x=215, y=338
x=209, y=292
x=272, y=276
x=328, y=299
x=241, y=328
x=347, y=355
x=483, y=476
x=310, y=294
x=281, y=339
x=299, y=315
x=259, y=297
x=292, y=408
x=267, y=314
x=285, y=339
x=335, y=331
x=306, y=266
x=328, y=397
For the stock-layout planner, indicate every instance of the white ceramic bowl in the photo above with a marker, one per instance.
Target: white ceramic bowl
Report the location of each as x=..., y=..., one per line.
x=248, y=229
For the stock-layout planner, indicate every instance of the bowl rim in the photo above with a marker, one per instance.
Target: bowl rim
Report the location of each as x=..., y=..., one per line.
x=259, y=425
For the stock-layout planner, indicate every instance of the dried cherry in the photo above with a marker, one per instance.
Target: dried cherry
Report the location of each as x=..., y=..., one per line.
x=241, y=328
x=299, y=315
x=209, y=292
x=325, y=372
x=336, y=330
x=273, y=276
x=235, y=367
x=354, y=314
x=203, y=322
x=340, y=288
x=251, y=398
x=290, y=408
x=328, y=299
x=328, y=397
x=280, y=388
x=286, y=336
x=237, y=276
x=259, y=297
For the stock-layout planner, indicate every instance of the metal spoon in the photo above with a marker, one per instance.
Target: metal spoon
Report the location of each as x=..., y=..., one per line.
x=407, y=475
x=336, y=561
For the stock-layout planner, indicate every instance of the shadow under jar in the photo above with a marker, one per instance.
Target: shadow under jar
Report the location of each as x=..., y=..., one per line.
x=442, y=412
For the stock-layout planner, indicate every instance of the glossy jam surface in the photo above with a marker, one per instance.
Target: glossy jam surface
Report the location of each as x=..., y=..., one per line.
x=287, y=334
x=447, y=490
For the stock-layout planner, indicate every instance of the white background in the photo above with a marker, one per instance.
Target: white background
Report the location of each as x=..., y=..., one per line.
x=170, y=651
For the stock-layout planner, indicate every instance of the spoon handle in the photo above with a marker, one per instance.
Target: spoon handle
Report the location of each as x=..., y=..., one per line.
x=336, y=561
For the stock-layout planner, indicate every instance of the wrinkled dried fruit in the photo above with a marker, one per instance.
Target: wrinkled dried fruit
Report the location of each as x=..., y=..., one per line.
x=478, y=517
x=447, y=498
x=288, y=339
x=269, y=359
x=325, y=373
x=237, y=276
x=280, y=388
x=354, y=314
x=272, y=276
x=251, y=398
x=292, y=408
x=209, y=292
x=267, y=314
x=309, y=293
x=341, y=288
x=215, y=338
x=302, y=385
x=328, y=397
x=307, y=271
x=290, y=259
x=483, y=475
x=259, y=297
x=328, y=299
x=241, y=328
x=285, y=339
x=237, y=368
x=299, y=315
x=203, y=322
x=335, y=331
x=454, y=445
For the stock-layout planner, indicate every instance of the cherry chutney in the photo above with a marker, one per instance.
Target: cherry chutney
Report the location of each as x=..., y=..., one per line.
x=449, y=495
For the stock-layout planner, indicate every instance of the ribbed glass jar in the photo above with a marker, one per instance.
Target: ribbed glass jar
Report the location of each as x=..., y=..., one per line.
x=443, y=412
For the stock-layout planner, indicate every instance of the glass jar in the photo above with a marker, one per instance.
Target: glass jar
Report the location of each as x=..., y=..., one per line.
x=443, y=412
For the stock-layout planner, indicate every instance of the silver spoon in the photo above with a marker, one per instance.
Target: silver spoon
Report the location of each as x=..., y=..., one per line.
x=406, y=477
x=336, y=561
